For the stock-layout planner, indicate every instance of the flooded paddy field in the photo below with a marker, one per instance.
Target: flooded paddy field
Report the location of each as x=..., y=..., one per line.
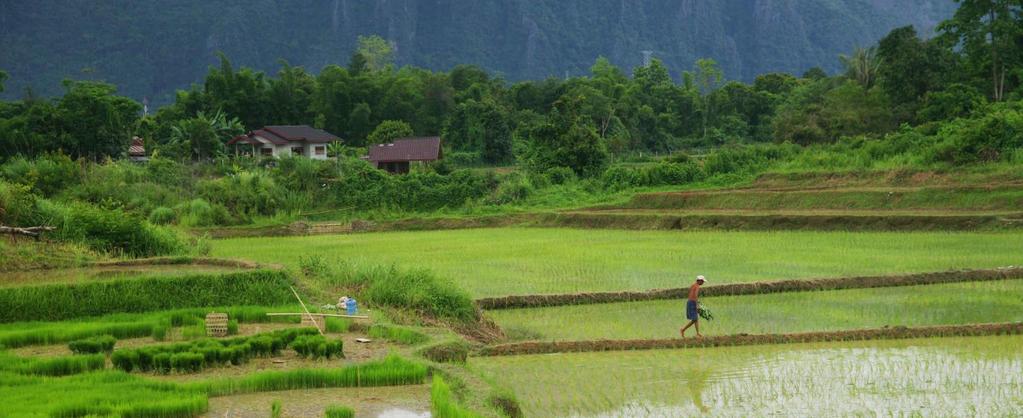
x=975, y=376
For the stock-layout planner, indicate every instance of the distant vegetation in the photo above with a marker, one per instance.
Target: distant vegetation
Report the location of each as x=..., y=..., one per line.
x=906, y=103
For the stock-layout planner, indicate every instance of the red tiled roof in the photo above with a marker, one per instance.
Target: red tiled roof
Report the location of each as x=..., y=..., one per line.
x=283, y=134
x=407, y=149
x=137, y=148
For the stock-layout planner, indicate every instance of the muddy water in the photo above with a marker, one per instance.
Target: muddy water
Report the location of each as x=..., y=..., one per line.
x=381, y=402
x=980, y=376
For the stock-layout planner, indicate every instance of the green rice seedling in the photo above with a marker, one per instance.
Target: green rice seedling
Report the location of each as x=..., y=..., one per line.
x=275, y=409
x=39, y=333
x=522, y=261
x=193, y=331
x=443, y=403
x=704, y=312
x=317, y=346
x=232, y=327
x=194, y=356
x=160, y=331
x=338, y=411
x=93, y=345
x=101, y=393
x=75, y=300
x=390, y=371
x=336, y=325
x=52, y=366
x=397, y=334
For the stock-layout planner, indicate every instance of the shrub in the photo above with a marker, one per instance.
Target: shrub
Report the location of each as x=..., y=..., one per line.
x=107, y=230
x=93, y=345
x=72, y=300
x=162, y=216
x=17, y=204
x=338, y=411
x=199, y=212
x=47, y=175
x=560, y=175
x=418, y=290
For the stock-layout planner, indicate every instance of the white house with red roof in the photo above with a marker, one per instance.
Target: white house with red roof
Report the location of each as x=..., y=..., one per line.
x=281, y=140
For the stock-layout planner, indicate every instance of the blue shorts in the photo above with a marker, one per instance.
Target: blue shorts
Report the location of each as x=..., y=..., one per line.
x=691, y=313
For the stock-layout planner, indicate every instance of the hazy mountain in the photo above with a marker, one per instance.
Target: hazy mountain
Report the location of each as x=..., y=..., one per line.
x=151, y=47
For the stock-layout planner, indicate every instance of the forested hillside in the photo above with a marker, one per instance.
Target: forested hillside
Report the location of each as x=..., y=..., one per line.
x=150, y=48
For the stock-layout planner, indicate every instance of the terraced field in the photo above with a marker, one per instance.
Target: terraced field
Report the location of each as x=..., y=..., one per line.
x=515, y=261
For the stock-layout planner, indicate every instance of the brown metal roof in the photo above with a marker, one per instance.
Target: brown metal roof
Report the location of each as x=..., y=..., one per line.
x=137, y=148
x=283, y=134
x=407, y=149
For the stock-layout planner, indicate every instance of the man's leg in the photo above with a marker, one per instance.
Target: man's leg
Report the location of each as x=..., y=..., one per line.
x=697, y=323
x=683, y=331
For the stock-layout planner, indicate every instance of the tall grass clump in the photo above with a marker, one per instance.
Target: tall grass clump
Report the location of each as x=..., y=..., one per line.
x=105, y=393
x=417, y=290
x=93, y=345
x=73, y=300
x=338, y=411
x=391, y=371
x=275, y=409
x=443, y=403
x=108, y=230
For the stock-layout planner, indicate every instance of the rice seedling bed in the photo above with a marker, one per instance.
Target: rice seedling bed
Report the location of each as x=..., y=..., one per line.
x=84, y=275
x=515, y=261
x=777, y=313
x=975, y=376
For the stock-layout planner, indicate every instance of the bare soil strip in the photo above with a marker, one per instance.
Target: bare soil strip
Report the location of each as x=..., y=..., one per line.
x=535, y=301
x=887, y=333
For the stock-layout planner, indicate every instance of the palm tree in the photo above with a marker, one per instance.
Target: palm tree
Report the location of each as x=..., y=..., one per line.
x=862, y=66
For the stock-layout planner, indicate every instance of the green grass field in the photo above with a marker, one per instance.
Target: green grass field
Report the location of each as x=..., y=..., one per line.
x=979, y=376
x=505, y=261
x=947, y=304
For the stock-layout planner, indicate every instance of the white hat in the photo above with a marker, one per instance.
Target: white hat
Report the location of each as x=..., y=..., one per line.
x=701, y=278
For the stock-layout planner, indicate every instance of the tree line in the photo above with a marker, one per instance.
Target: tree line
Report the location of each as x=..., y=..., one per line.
x=580, y=122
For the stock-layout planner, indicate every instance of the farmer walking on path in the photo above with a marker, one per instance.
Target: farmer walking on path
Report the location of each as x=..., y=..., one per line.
x=692, y=313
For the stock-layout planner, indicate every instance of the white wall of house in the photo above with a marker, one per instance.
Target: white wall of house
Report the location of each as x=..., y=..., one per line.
x=308, y=150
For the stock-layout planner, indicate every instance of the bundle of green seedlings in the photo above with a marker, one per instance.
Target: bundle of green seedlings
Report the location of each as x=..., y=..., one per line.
x=317, y=346
x=93, y=345
x=197, y=355
x=391, y=371
x=704, y=312
x=338, y=411
x=52, y=366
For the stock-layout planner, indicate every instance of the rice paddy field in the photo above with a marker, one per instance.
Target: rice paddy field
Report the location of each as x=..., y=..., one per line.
x=515, y=261
x=777, y=313
x=946, y=377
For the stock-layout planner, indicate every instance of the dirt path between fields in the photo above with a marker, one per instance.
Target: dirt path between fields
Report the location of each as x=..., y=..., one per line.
x=887, y=333
x=955, y=276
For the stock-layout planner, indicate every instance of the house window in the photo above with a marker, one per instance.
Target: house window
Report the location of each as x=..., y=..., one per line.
x=266, y=152
x=321, y=150
x=297, y=150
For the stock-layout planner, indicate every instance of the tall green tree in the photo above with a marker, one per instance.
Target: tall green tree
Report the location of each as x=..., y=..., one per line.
x=388, y=131
x=990, y=33
x=376, y=52
x=97, y=122
x=480, y=127
x=566, y=139
x=862, y=66
x=204, y=135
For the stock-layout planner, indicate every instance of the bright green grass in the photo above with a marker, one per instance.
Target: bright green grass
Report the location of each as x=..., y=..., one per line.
x=505, y=261
x=957, y=303
x=978, y=376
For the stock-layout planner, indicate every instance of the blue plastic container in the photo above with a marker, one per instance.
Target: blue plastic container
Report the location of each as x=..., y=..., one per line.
x=351, y=307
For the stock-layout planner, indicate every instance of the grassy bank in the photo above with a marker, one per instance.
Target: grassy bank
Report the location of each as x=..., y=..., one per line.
x=506, y=261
